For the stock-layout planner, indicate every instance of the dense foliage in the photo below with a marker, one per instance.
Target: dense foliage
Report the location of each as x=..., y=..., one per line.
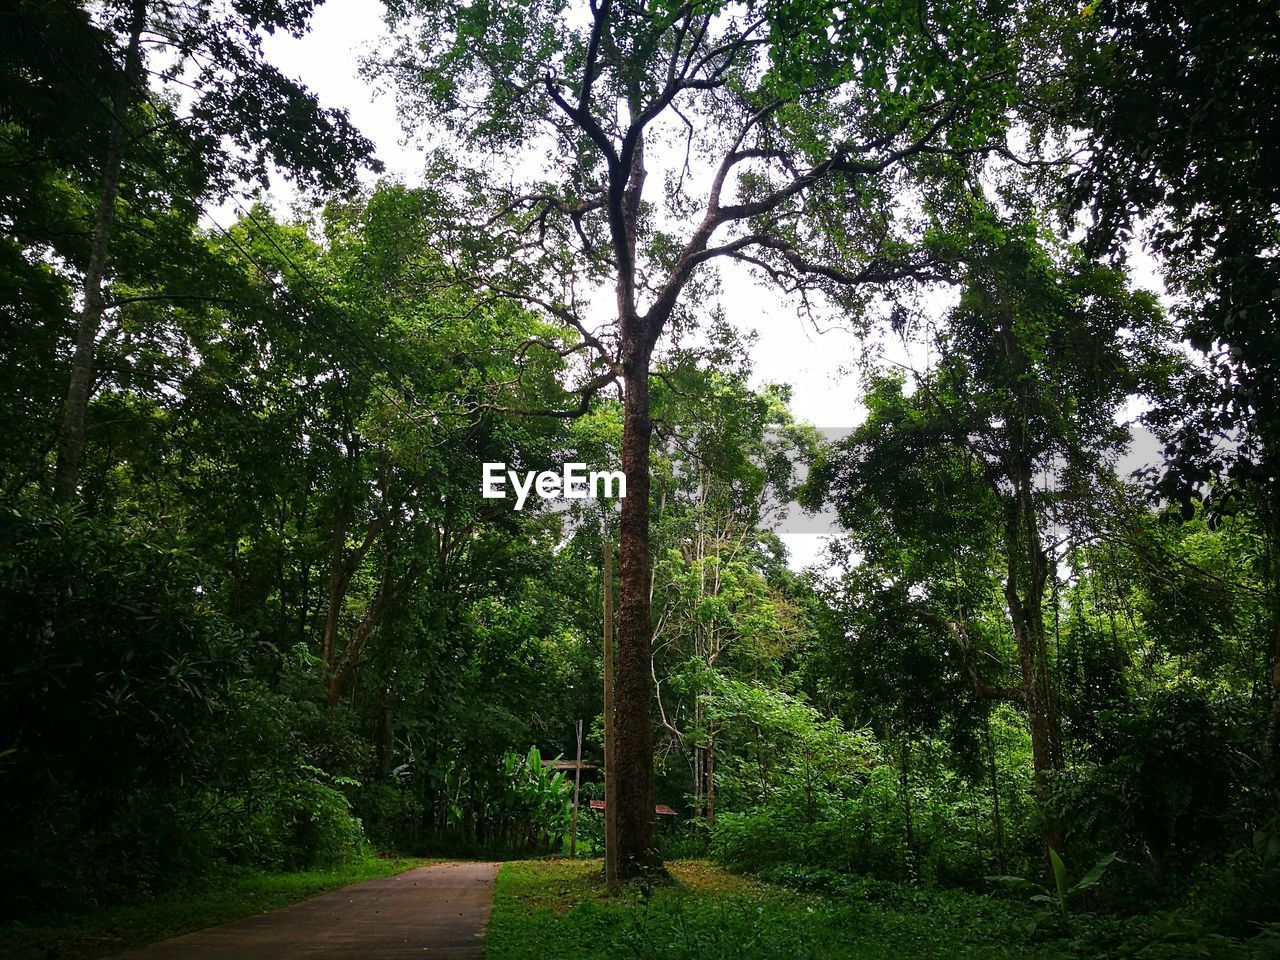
x=257, y=612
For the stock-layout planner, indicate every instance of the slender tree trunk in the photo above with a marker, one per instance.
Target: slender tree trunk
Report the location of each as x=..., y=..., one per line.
x=304, y=601
x=385, y=743
x=997, y=821
x=1026, y=613
x=282, y=590
x=71, y=441
x=761, y=769
x=577, y=788
x=390, y=590
x=1272, y=752
x=711, y=782
x=908, y=821
x=699, y=765
x=337, y=593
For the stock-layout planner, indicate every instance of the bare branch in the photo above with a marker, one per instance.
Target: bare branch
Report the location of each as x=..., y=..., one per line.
x=559, y=311
x=984, y=688
x=600, y=15
x=584, y=120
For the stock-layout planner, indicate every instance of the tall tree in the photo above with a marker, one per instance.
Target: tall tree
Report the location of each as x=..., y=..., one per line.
x=340, y=401
x=725, y=457
x=242, y=116
x=806, y=116
x=1174, y=100
x=1010, y=437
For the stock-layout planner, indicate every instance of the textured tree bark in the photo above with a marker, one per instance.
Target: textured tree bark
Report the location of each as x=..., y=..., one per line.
x=72, y=436
x=610, y=741
x=633, y=681
x=633, y=671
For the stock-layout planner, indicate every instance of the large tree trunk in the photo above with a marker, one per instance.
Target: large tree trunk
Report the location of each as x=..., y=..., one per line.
x=71, y=440
x=610, y=738
x=633, y=683
x=633, y=676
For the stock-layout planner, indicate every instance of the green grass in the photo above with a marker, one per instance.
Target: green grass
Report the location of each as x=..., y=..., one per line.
x=108, y=930
x=559, y=910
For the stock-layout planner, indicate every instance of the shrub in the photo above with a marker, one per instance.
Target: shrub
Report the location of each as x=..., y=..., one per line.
x=142, y=741
x=1172, y=791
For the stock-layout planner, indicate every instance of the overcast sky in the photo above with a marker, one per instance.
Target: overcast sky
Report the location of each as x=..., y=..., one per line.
x=788, y=350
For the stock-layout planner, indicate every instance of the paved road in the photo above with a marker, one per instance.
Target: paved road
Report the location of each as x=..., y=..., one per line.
x=436, y=911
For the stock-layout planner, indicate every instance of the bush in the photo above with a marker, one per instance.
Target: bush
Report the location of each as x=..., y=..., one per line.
x=142, y=742
x=859, y=837
x=863, y=835
x=1172, y=792
x=317, y=821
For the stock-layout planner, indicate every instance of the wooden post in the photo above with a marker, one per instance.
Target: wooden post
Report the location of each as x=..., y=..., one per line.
x=610, y=781
x=577, y=785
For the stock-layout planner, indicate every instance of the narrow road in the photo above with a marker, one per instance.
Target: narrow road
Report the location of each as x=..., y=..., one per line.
x=436, y=911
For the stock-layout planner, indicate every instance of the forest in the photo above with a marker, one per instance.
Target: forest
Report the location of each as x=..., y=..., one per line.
x=268, y=630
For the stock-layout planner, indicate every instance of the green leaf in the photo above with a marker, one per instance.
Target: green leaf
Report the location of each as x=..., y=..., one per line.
x=1059, y=875
x=1096, y=874
x=1014, y=883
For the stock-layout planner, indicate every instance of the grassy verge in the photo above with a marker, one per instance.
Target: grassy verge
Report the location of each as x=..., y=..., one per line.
x=108, y=930
x=558, y=910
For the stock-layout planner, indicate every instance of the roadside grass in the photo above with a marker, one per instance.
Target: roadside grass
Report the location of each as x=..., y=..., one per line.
x=104, y=931
x=559, y=910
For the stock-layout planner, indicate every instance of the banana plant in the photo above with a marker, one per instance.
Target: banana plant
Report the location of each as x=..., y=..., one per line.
x=1064, y=890
x=534, y=799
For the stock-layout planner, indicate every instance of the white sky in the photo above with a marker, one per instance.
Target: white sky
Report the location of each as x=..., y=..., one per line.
x=788, y=350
